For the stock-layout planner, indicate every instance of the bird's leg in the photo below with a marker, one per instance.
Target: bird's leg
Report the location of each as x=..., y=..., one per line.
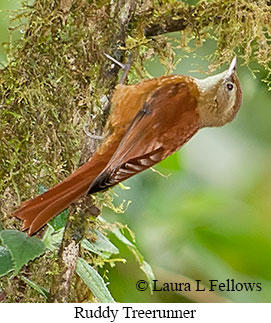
x=126, y=67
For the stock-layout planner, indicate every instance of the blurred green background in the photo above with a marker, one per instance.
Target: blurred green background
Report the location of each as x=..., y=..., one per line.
x=210, y=219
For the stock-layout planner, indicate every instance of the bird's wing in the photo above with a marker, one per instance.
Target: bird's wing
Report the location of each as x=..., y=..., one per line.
x=165, y=122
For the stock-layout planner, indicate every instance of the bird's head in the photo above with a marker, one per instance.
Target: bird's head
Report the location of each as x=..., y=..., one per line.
x=220, y=97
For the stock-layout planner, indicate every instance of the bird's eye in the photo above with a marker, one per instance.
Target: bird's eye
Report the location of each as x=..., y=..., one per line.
x=229, y=86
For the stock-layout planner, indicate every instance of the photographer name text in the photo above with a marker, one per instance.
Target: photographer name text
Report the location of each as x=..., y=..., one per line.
x=229, y=285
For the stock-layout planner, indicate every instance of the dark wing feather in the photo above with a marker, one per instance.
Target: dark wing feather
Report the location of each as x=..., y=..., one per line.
x=126, y=170
x=166, y=121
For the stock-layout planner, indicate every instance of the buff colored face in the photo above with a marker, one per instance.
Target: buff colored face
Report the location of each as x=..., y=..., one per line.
x=220, y=97
x=227, y=99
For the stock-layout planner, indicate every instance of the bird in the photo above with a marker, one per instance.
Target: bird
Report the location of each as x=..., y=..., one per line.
x=149, y=121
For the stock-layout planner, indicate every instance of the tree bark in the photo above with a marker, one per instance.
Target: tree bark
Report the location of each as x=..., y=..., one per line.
x=78, y=221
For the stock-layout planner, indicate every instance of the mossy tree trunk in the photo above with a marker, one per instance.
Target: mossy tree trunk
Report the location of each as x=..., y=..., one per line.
x=57, y=88
x=121, y=14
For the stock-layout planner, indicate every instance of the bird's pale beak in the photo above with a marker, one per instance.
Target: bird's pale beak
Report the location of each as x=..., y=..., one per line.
x=232, y=68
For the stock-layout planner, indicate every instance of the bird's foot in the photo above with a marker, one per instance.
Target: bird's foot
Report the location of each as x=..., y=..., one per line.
x=126, y=67
x=92, y=136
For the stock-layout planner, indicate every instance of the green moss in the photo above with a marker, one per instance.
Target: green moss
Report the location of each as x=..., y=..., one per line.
x=47, y=92
x=240, y=28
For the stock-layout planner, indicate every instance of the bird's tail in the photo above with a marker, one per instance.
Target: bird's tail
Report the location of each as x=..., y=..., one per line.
x=37, y=212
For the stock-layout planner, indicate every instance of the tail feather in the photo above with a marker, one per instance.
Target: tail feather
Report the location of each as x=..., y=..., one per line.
x=58, y=205
x=38, y=211
x=32, y=209
x=40, y=201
